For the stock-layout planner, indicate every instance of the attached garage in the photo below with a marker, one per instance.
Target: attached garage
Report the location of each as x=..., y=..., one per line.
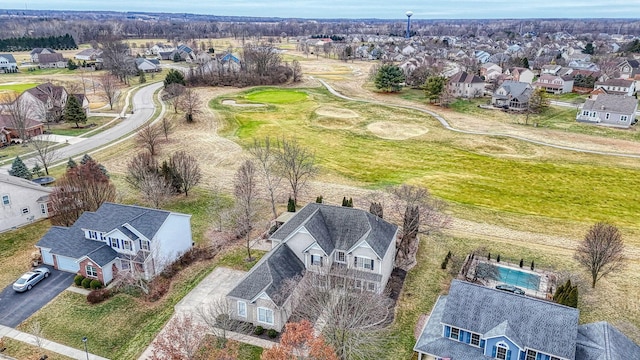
x=67, y=264
x=47, y=258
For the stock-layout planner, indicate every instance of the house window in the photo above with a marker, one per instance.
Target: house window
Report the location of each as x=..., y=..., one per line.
x=455, y=333
x=340, y=257
x=265, y=316
x=362, y=262
x=93, y=235
x=5, y=200
x=144, y=245
x=316, y=260
x=623, y=118
x=25, y=210
x=371, y=287
x=114, y=243
x=607, y=116
x=585, y=113
x=475, y=339
x=242, y=308
x=358, y=284
x=593, y=114
x=126, y=244
x=501, y=352
x=125, y=264
x=531, y=355
x=43, y=208
x=91, y=271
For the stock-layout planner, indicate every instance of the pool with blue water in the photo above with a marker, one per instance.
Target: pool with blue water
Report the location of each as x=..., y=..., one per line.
x=519, y=278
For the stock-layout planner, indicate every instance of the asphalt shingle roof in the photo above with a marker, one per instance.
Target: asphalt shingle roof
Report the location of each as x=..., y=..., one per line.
x=614, y=103
x=9, y=57
x=340, y=227
x=601, y=341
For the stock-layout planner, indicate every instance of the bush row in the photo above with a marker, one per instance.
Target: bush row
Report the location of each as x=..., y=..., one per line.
x=87, y=283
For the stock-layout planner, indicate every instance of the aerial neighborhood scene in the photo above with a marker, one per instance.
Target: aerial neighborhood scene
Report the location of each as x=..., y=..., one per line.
x=263, y=180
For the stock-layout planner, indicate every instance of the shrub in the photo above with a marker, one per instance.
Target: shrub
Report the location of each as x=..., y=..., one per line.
x=95, y=284
x=78, y=280
x=259, y=330
x=86, y=283
x=291, y=205
x=489, y=256
x=98, y=295
x=319, y=199
x=443, y=265
x=272, y=333
x=532, y=265
x=157, y=288
x=521, y=263
x=498, y=258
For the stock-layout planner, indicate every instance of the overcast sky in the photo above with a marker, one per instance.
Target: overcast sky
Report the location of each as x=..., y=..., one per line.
x=422, y=9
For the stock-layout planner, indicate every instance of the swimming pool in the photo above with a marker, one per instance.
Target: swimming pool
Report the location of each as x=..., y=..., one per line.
x=518, y=278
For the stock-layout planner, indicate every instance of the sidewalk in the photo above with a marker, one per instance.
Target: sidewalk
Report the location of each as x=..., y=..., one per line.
x=48, y=345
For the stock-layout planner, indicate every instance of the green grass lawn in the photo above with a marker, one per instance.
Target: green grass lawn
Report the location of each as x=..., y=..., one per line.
x=70, y=129
x=576, y=188
x=20, y=350
x=18, y=88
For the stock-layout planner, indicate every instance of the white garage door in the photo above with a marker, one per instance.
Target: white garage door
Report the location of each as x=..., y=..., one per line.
x=67, y=264
x=47, y=258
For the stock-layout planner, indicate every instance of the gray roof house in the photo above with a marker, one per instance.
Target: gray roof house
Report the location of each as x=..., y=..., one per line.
x=321, y=239
x=475, y=322
x=21, y=201
x=609, y=110
x=8, y=63
x=513, y=95
x=118, y=238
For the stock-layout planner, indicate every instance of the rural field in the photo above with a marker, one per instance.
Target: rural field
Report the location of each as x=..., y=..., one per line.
x=508, y=196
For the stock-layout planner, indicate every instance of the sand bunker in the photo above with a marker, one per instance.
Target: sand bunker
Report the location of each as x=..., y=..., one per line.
x=336, y=112
x=234, y=103
x=396, y=131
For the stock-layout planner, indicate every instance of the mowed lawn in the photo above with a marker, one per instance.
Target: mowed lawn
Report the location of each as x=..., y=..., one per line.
x=17, y=87
x=572, y=187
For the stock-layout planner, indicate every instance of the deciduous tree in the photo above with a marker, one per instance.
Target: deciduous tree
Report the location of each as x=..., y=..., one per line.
x=434, y=88
x=180, y=339
x=298, y=165
x=187, y=168
x=266, y=157
x=298, y=341
x=46, y=151
x=149, y=137
x=190, y=102
x=601, y=252
x=109, y=89
x=245, y=191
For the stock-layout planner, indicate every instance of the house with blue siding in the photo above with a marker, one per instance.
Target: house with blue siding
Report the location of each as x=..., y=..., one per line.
x=475, y=322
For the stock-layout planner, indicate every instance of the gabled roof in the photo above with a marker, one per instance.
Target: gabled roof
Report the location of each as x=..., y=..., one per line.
x=269, y=275
x=9, y=57
x=50, y=58
x=6, y=122
x=615, y=82
x=46, y=91
x=340, y=227
x=17, y=181
x=538, y=324
x=70, y=242
x=516, y=89
x=464, y=77
x=602, y=341
x=39, y=50
x=613, y=103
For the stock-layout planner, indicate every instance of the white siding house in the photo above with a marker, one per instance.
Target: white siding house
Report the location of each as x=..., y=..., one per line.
x=22, y=202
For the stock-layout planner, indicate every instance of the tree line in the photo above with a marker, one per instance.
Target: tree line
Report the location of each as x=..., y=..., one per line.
x=64, y=42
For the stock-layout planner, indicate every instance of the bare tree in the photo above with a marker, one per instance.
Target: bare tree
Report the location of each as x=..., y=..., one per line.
x=267, y=159
x=298, y=165
x=190, y=101
x=180, y=340
x=601, y=251
x=46, y=150
x=149, y=136
x=245, y=191
x=173, y=96
x=35, y=329
x=167, y=127
x=218, y=315
x=156, y=189
x=116, y=59
x=18, y=112
x=187, y=168
x=109, y=89
x=261, y=58
x=139, y=166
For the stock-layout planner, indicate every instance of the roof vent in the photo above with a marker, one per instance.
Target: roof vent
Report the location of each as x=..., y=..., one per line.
x=601, y=107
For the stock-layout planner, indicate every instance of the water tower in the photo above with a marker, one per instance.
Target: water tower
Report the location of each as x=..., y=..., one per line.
x=409, y=13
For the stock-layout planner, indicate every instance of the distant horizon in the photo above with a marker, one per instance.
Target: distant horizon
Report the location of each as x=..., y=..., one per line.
x=359, y=9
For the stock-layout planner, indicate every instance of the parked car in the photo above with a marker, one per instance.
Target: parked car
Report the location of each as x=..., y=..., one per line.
x=29, y=279
x=510, y=288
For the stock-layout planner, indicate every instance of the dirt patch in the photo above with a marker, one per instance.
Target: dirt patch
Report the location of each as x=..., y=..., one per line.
x=234, y=103
x=396, y=131
x=336, y=112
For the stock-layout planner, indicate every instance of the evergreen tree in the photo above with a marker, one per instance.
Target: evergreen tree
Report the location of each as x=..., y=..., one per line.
x=434, y=87
x=37, y=170
x=524, y=62
x=589, y=49
x=319, y=199
x=176, y=57
x=291, y=205
x=521, y=263
x=498, y=258
x=73, y=112
x=489, y=256
x=174, y=77
x=170, y=174
x=350, y=202
x=143, y=78
x=71, y=65
x=532, y=265
x=572, y=298
x=71, y=163
x=345, y=202
x=19, y=169
x=389, y=77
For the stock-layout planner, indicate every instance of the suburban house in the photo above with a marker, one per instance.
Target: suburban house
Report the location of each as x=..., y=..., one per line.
x=9, y=134
x=512, y=95
x=617, y=86
x=23, y=201
x=465, y=85
x=609, y=110
x=88, y=54
x=36, y=52
x=520, y=74
x=45, y=102
x=475, y=322
x=115, y=238
x=551, y=69
x=52, y=61
x=147, y=65
x=8, y=64
x=554, y=84
x=628, y=68
x=319, y=239
x=160, y=47
x=490, y=71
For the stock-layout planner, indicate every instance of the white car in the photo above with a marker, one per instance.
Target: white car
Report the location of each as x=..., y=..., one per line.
x=29, y=279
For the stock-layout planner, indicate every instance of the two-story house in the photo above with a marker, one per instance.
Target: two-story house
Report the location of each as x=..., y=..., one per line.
x=465, y=85
x=117, y=238
x=22, y=202
x=9, y=132
x=321, y=239
x=474, y=322
x=554, y=84
x=609, y=110
x=90, y=54
x=52, y=61
x=36, y=52
x=617, y=86
x=490, y=71
x=520, y=74
x=8, y=64
x=628, y=68
x=512, y=95
x=45, y=102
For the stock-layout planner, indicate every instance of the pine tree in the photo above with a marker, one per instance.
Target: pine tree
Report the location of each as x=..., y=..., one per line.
x=319, y=199
x=532, y=265
x=71, y=164
x=19, y=169
x=350, y=203
x=73, y=112
x=521, y=263
x=498, y=258
x=389, y=77
x=572, y=298
x=344, y=201
x=489, y=256
x=174, y=77
x=142, y=78
x=37, y=170
x=291, y=205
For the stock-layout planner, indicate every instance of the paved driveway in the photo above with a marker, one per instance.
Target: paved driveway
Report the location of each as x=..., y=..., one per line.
x=17, y=307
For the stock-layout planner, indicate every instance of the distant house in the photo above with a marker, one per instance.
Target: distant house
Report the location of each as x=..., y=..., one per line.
x=45, y=102
x=474, y=322
x=465, y=85
x=9, y=133
x=52, y=61
x=628, y=68
x=118, y=238
x=554, y=84
x=146, y=65
x=159, y=47
x=8, y=64
x=22, y=201
x=490, y=71
x=512, y=95
x=88, y=54
x=316, y=239
x=551, y=69
x=609, y=110
x=617, y=86
x=520, y=74
x=36, y=52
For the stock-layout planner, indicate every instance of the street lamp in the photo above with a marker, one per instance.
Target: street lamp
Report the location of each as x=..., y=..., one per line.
x=84, y=340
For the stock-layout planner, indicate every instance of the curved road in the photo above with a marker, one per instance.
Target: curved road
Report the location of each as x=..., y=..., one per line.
x=447, y=126
x=144, y=108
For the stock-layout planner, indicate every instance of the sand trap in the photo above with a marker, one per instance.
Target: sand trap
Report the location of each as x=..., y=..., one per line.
x=396, y=131
x=336, y=112
x=336, y=123
x=234, y=103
